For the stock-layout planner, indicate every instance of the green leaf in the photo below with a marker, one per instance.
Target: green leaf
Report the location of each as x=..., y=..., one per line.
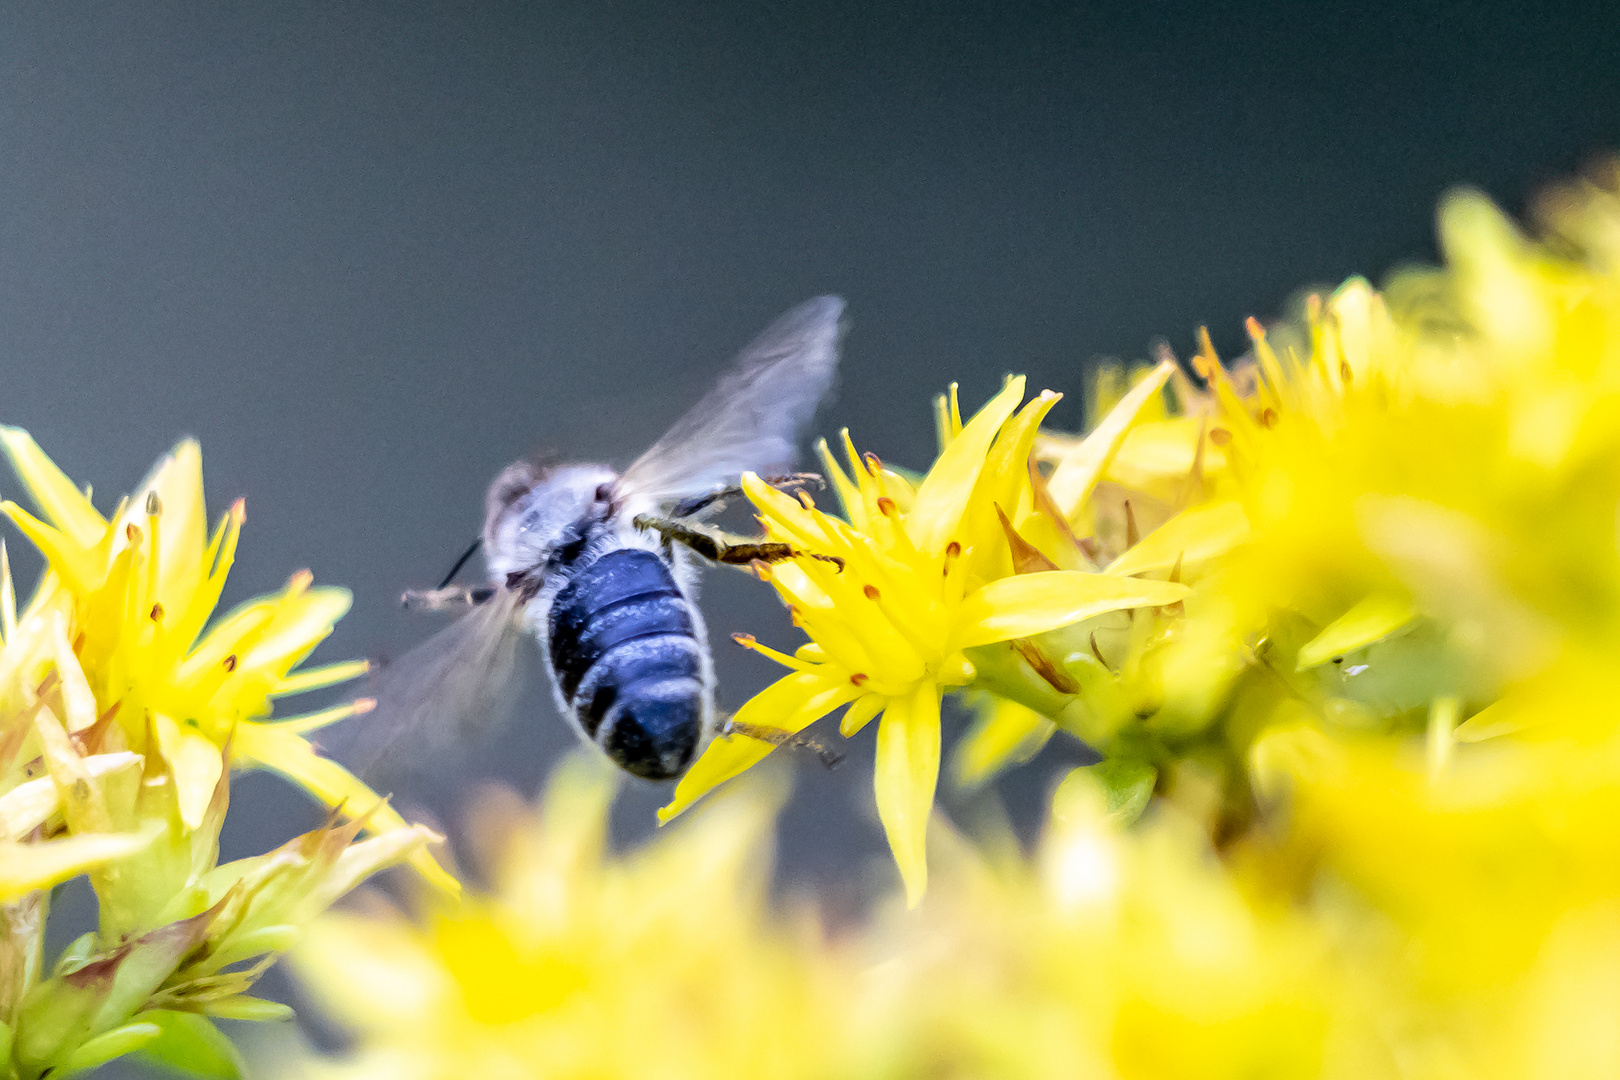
x=191, y=1044
x=1127, y=785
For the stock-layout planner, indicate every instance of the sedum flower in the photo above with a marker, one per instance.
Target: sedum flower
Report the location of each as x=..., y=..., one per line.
x=662, y=961
x=140, y=588
x=121, y=718
x=894, y=595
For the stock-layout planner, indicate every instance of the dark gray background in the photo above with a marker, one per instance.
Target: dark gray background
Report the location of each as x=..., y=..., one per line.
x=371, y=252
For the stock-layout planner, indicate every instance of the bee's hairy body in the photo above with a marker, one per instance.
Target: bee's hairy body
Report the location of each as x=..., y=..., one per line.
x=614, y=610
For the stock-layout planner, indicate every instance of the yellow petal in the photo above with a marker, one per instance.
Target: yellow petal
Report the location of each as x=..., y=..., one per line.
x=1076, y=474
x=861, y=713
x=1376, y=616
x=779, y=705
x=75, y=562
x=324, y=676
x=300, y=623
x=25, y=868
x=330, y=783
x=905, y=775
x=1006, y=733
x=197, y=763
x=62, y=503
x=26, y=806
x=1194, y=535
x=182, y=527
x=1035, y=603
x=1006, y=466
x=945, y=490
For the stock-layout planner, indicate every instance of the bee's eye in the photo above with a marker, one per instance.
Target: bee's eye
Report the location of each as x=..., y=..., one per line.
x=604, y=493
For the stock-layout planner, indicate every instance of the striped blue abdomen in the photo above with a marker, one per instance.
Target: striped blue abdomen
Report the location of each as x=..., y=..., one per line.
x=627, y=660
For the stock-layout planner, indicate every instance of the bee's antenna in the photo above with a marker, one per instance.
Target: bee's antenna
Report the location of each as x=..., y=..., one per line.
x=465, y=555
x=829, y=757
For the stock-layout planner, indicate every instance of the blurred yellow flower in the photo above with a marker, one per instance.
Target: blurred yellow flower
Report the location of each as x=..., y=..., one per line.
x=1111, y=952
x=893, y=595
x=660, y=962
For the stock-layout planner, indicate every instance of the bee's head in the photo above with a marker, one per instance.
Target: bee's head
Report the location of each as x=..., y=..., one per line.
x=532, y=509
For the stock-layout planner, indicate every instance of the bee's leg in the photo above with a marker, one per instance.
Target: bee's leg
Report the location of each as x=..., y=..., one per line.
x=453, y=598
x=778, y=737
x=709, y=546
x=790, y=482
x=721, y=549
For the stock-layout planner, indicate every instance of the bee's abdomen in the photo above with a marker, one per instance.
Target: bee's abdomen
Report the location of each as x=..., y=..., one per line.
x=627, y=661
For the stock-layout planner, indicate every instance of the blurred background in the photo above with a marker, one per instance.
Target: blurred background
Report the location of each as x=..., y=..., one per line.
x=369, y=253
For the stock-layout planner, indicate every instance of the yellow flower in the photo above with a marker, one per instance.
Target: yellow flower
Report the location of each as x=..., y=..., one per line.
x=134, y=594
x=119, y=718
x=663, y=961
x=893, y=595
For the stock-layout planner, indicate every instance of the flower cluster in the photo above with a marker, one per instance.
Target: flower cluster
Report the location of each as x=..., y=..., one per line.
x=896, y=596
x=122, y=714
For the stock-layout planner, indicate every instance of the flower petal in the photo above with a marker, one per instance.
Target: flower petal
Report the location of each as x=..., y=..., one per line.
x=1006, y=734
x=64, y=505
x=1076, y=474
x=949, y=484
x=1376, y=616
x=791, y=703
x=27, y=867
x=904, y=779
x=1197, y=533
x=1035, y=603
x=293, y=757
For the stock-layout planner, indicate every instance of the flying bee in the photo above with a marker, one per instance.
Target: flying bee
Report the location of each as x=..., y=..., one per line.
x=598, y=566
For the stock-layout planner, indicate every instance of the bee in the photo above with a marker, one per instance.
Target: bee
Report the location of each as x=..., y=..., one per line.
x=598, y=568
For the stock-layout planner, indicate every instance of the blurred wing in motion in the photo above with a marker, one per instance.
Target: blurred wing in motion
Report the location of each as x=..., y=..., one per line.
x=446, y=697
x=751, y=420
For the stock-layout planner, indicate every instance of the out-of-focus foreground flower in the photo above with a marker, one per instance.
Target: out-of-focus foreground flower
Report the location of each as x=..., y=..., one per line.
x=122, y=714
x=663, y=962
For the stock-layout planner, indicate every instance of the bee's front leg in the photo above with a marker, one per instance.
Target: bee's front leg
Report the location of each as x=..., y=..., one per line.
x=720, y=549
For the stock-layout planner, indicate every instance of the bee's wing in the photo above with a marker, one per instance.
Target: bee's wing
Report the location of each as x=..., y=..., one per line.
x=751, y=420
x=446, y=696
